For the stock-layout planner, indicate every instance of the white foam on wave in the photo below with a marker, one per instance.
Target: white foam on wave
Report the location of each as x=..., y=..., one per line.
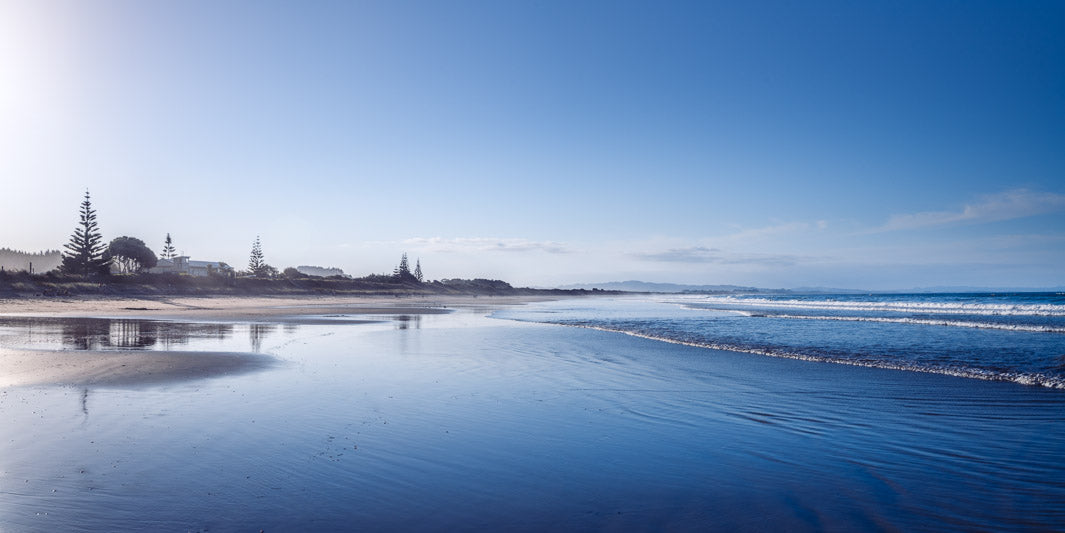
x=923, y=321
x=1023, y=378
x=951, y=308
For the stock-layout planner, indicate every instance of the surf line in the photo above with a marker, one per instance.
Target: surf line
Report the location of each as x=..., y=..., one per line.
x=1022, y=378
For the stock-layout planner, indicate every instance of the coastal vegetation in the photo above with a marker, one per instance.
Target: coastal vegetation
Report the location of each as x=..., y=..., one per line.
x=312, y=270
x=129, y=255
x=257, y=266
x=168, y=248
x=57, y=284
x=124, y=267
x=13, y=260
x=85, y=252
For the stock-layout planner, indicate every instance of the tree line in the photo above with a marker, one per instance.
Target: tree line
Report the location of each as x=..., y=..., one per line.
x=13, y=260
x=86, y=254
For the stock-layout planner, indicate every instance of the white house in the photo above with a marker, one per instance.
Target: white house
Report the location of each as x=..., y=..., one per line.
x=182, y=265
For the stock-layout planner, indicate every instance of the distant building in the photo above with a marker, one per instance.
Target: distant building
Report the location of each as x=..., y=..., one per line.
x=182, y=265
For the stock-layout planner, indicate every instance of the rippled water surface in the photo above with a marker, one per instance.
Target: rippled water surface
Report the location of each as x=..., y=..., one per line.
x=457, y=421
x=1004, y=337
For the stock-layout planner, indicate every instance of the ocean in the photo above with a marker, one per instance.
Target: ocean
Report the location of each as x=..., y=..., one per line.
x=618, y=414
x=1017, y=337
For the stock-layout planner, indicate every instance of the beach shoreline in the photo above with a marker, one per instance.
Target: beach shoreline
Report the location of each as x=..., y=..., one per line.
x=243, y=308
x=22, y=366
x=477, y=417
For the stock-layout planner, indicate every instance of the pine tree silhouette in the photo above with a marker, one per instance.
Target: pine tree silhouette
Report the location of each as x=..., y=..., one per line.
x=256, y=265
x=168, y=248
x=402, y=271
x=85, y=252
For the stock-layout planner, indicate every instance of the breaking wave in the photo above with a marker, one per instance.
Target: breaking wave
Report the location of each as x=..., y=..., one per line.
x=1023, y=378
x=921, y=321
x=1009, y=337
x=930, y=307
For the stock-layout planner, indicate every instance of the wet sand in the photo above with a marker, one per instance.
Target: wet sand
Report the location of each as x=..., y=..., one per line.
x=458, y=421
x=132, y=368
x=238, y=308
x=120, y=368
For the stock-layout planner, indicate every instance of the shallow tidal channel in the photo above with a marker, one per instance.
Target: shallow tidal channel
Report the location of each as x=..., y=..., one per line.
x=458, y=421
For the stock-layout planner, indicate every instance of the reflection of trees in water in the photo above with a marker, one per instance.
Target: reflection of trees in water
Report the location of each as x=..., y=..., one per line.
x=177, y=333
x=257, y=332
x=408, y=322
x=147, y=333
x=84, y=334
x=101, y=333
x=131, y=334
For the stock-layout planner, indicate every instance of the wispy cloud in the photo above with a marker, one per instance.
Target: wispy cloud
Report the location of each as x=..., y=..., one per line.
x=702, y=254
x=485, y=244
x=1006, y=205
x=775, y=230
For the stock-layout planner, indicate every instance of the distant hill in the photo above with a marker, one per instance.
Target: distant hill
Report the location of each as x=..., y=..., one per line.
x=645, y=286
x=18, y=260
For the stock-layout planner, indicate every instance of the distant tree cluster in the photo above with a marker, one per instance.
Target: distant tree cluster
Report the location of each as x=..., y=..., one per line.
x=322, y=272
x=477, y=284
x=15, y=260
x=86, y=255
x=130, y=255
x=402, y=272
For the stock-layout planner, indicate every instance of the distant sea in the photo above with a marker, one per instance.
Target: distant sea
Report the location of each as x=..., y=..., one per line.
x=1018, y=337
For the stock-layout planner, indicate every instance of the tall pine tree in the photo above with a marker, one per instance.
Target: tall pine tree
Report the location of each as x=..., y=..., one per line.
x=168, y=248
x=418, y=270
x=402, y=272
x=84, y=253
x=256, y=264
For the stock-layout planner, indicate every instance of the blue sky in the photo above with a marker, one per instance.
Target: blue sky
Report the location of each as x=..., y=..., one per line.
x=781, y=144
